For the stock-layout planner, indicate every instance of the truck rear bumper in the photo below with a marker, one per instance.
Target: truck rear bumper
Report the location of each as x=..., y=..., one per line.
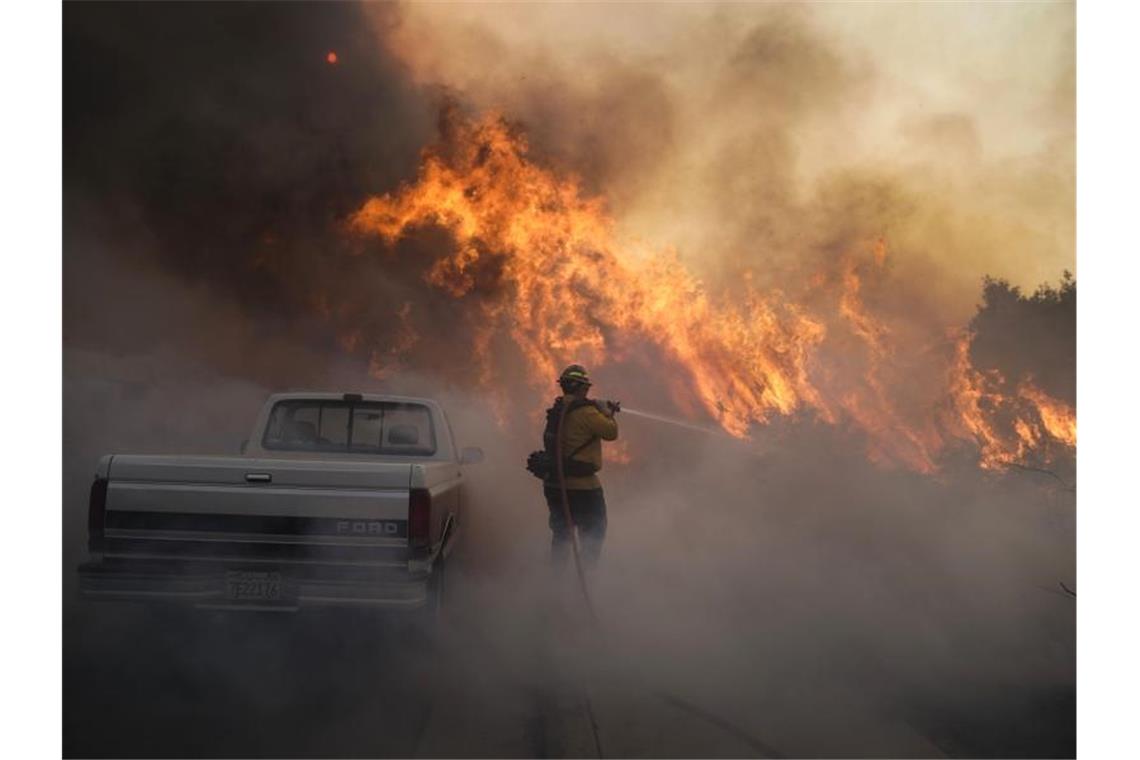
x=211, y=587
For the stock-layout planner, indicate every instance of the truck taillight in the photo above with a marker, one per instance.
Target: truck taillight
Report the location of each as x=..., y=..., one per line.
x=96, y=512
x=419, y=517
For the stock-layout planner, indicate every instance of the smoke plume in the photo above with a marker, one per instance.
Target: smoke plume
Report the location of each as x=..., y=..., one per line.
x=831, y=186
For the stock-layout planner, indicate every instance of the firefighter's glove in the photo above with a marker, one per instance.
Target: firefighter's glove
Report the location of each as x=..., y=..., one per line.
x=608, y=408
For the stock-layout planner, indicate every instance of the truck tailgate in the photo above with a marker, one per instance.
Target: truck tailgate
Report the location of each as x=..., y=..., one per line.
x=258, y=509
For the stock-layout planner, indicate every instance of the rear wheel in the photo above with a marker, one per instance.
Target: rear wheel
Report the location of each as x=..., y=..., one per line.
x=418, y=626
x=434, y=613
x=431, y=614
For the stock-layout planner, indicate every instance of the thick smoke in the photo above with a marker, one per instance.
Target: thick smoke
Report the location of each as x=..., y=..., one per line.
x=782, y=595
x=770, y=136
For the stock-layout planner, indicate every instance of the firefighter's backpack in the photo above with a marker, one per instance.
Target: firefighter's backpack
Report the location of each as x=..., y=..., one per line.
x=541, y=463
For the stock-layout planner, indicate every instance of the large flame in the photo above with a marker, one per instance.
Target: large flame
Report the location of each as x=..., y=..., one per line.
x=1008, y=427
x=565, y=287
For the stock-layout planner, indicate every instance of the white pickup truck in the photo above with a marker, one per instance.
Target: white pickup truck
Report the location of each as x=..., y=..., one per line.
x=336, y=499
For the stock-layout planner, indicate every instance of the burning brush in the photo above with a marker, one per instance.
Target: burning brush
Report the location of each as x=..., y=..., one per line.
x=539, y=267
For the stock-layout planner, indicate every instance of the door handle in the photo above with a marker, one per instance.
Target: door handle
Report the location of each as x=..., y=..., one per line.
x=258, y=477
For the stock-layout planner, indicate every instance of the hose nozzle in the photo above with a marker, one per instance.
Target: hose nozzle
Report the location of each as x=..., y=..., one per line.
x=607, y=407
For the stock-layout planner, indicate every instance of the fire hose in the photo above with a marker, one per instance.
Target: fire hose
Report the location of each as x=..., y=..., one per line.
x=764, y=749
x=565, y=496
x=576, y=550
x=570, y=527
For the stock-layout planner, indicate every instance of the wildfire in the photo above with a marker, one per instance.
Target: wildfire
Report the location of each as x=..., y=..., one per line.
x=540, y=263
x=1006, y=427
x=1057, y=418
x=574, y=292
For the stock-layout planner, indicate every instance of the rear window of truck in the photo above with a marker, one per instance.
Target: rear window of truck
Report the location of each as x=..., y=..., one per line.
x=347, y=427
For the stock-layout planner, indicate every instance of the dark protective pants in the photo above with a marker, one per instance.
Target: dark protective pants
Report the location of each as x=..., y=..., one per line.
x=588, y=510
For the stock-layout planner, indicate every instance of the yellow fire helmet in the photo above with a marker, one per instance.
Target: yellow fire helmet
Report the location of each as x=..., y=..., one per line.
x=575, y=373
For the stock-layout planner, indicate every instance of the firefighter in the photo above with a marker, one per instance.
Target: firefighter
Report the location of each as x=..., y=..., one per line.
x=586, y=424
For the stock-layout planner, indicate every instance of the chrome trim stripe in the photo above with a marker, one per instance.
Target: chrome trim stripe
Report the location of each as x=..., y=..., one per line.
x=247, y=607
x=245, y=559
x=257, y=500
x=144, y=592
x=253, y=538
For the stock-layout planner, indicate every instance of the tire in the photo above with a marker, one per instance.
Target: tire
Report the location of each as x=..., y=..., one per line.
x=432, y=612
x=422, y=623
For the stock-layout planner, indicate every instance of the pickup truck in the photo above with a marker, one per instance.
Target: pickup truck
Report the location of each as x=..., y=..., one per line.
x=336, y=499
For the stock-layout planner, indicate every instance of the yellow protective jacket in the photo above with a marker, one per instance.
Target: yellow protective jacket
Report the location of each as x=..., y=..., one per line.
x=586, y=423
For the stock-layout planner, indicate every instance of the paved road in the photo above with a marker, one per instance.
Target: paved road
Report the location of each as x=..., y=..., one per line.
x=503, y=683
x=146, y=682
x=516, y=671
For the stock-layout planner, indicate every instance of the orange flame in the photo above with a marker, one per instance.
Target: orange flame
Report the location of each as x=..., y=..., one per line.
x=577, y=293
x=1057, y=417
x=541, y=263
x=1033, y=416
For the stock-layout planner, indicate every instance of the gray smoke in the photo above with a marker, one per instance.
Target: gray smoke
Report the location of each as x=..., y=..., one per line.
x=785, y=596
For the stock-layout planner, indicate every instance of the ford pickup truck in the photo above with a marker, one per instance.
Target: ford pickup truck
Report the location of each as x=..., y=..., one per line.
x=336, y=499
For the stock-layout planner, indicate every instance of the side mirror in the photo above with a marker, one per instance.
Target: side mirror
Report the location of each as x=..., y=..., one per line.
x=471, y=455
x=244, y=445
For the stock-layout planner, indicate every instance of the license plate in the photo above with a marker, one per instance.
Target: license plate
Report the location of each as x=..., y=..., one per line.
x=250, y=585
